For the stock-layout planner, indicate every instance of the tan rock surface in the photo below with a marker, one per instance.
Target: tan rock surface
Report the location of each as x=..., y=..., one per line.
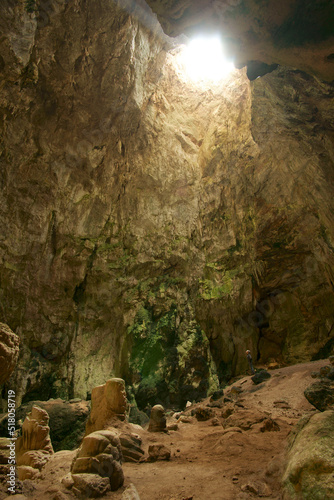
x=109, y=403
x=151, y=225
x=9, y=352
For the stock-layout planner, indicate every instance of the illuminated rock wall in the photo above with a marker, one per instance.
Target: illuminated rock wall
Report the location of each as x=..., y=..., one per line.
x=154, y=229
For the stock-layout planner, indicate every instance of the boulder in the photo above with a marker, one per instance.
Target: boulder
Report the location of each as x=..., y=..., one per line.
x=130, y=493
x=33, y=448
x=217, y=395
x=131, y=447
x=245, y=419
x=269, y=425
x=109, y=403
x=90, y=485
x=9, y=352
x=260, y=377
x=158, y=452
x=100, y=455
x=310, y=460
x=202, y=413
x=321, y=395
x=157, y=419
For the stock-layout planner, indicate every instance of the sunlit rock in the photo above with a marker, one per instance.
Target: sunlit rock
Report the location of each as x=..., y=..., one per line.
x=108, y=403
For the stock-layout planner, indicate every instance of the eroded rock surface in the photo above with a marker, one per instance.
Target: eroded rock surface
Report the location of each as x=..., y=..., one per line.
x=109, y=403
x=154, y=229
x=310, y=463
x=9, y=352
x=34, y=447
x=99, y=455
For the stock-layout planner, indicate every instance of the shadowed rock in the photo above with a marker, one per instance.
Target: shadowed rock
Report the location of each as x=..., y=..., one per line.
x=157, y=419
x=99, y=455
x=321, y=395
x=260, y=377
x=9, y=352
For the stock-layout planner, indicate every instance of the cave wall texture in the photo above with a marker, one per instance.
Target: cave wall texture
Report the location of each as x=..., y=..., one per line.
x=153, y=229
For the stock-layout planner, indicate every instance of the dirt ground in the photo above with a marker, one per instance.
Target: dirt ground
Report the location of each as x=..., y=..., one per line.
x=232, y=458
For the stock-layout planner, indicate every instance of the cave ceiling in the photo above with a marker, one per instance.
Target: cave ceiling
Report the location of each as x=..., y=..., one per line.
x=294, y=33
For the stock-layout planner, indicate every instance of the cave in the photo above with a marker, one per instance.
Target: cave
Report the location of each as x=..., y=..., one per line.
x=156, y=225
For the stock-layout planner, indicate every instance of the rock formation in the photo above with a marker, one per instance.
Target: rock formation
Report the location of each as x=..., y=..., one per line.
x=9, y=352
x=310, y=463
x=33, y=448
x=109, y=403
x=154, y=229
x=97, y=466
x=67, y=421
x=157, y=421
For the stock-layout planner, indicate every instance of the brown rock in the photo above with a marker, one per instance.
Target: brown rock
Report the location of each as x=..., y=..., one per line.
x=131, y=447
x=9, y=352
x=157, y=419
x=100, y=454
x=34, y=448
x=158, y=452
x=269, y=425
x=27, y=472
x=244, y=419
x=91, y=485
x=108, y=403
x=130, y=493
x=227, y=410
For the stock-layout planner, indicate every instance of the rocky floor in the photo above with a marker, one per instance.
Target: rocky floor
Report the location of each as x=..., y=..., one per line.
x=226, y=457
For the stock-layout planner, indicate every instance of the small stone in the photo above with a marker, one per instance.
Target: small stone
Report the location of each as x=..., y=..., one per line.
x=260, y=376
x=273, y=366
x=130, y=493
x=202, y=413
x=215, y=422
x=270, y=425
x=324, y=370
x=227, y=411
x=158, y=452
x=236, y=389
x=217, y=395
x=251, y=487
x=185, y=420
x=172, y=427
x=91, y=485
x=67, y=481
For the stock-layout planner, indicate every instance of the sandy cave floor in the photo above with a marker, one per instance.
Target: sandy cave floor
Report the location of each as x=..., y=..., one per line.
x=210, y=462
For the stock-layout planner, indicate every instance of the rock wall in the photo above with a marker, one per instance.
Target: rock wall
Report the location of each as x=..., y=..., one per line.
x=153, y=229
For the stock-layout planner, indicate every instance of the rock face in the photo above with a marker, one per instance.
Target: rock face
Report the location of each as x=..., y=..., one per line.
x=9, y=352
x=310, y=463
x=34, y=448
x=321, y=395
x=108, y=403
x=154, y=229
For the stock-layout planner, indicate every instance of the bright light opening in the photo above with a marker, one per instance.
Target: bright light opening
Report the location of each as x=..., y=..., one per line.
x=204, y=60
